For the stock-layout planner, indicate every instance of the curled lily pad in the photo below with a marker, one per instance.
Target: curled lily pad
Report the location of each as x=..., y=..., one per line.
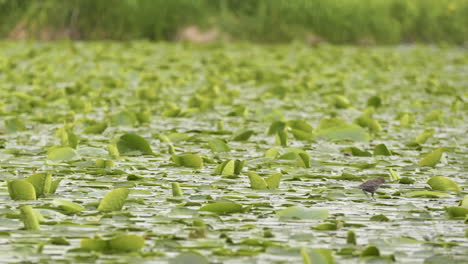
x=21, y=190
x=188, y=160
x=441, y=183
x=29, y=217
x=229, y=167
x=259, y=183
x=42, y=182
x=222, y=208
x=243, y=135
x=218, y=145
x=126, y=243
x=337, y=129
x=457, y=211
x=317, y=256
x=382, y=150
x=351, y=237
x=432, y=158
x=370, y=251
x=300, y=158
x=426, y=194
x=355, y=151
x=113, y=200
x=132, y=142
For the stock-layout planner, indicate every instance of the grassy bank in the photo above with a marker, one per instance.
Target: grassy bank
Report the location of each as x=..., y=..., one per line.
x=336, y=21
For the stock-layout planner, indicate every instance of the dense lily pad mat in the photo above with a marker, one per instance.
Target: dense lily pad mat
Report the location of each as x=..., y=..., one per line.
x=315, y=117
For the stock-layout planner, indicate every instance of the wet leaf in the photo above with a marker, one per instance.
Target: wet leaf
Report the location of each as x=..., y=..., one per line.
x=374, y=101
x=426, y=194
x=229, y=167
x=188, y=160
x=21, y=190
x=457, y=212
x=273, y=181
x=299, y=212
x=243, y=135
x=257, y=182
x=42, y=183
x=424, y=136
x=432, y=158
x=370, y=251
x=351, y=237
x=379, y=218
x=336, y=129
x=382, y=150
x=29, y=218
x=222, y=208
x=441, y=183
x=61, y=154
x=68, y=207
x=355, y=151
x=132, y=142
x=317, y=256
x=218, y=145
x=113, y=200
x=126, y=243
x=14, y=125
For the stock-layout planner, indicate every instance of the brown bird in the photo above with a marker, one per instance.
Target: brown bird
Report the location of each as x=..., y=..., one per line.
x=371, y=186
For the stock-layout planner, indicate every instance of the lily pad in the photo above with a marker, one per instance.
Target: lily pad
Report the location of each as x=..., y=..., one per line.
x=188, y=160
x=128, y=143
x=59, y=154
x=218, y=145
x=299, y=212
x=441, y=183
x=21, y=190
x=113, y=200
x=42, y=183
x=126, y=243
x=432, y=158
x=29, y=218
x=68, y=207
x=222, y=208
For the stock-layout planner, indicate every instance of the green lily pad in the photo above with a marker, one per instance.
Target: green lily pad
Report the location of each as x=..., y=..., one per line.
x=222, y=208
x=379, y=218
x=257, y=182
x=21, y=190
x=464, y=202
x=424, y=136
x=382, y=150
x=351, y=237
x=126, y=243
x=299, y=212
x=441, y=183
x=132, y=142
x=243, y=135
x=337, y=129
x=229, y=167
x=355, y=151
x=218, y=145
x=370, y=251
x=426, y=194
x=14, y=125
x=68, y=207
x=29, y=217
x=113, y=200
x=457, y=211
x=188, y=160
x=59, y=154
x=432, y=158
x=42, y=182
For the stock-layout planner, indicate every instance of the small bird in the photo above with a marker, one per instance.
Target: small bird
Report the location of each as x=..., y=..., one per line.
x=371, y=186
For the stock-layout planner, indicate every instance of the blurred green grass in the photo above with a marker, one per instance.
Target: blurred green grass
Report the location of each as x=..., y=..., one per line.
x=336, y=21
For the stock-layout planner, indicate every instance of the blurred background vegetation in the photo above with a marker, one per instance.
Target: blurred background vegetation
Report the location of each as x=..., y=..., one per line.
x=335, y=21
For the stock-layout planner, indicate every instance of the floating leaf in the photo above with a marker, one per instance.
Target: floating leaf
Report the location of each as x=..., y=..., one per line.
x=188, y=160
x=218, y=145
x=351, y=237
x=432, y=158
x=382, y=150
x=242, y=135
x=126, y=243
x=54, y=185
x=457, y=211
x=68, y=207
x=133, y=142
x=299, y=212
x=372, y=251
x=29, y=218
x=281, y=138
x=94, y=244
x=189, y=257
x=300, y=125
x=229, y=167
x=406, y=180
x=42, y=183
x=317, y=256
x=341, y=102
x=272, y=152
x=301, y=135
x=337, y=129
x=464, y=202
x=273, y=181
x=113, y=200
x=374, y=101
x=441, y=183
x=21, y=190
x=379, y=218
x=355, y=151
x=222, y=208
x=424, y=136
x=176, y=191
x=301, y=159
x=275, y=127
x=104, y=163
x=58, y=154
x=257, y=182
x=393, y=175
x=326, y=227
x=434, y=116
x=426, y=194
x=96, y=128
